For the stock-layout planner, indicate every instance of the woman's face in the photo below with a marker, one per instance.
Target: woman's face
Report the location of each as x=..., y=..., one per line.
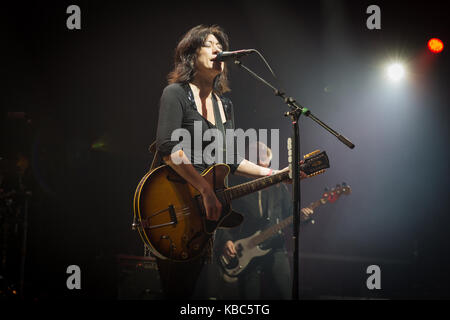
x=205, y=55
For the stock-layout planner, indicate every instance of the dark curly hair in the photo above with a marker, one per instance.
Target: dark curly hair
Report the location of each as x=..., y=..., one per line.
x=186, y=55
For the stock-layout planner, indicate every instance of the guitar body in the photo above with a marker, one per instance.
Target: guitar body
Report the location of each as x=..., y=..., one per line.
x=245, y=253
x=170, y=214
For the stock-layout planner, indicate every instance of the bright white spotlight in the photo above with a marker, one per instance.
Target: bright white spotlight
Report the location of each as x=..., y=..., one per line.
x=396, y=71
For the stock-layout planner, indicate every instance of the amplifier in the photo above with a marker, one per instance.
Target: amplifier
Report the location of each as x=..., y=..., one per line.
x=138, y=278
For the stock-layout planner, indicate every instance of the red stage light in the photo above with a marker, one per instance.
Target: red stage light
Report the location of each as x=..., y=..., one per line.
x=435, y=45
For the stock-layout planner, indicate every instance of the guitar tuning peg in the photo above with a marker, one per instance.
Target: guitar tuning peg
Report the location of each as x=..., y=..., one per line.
x=311, y=154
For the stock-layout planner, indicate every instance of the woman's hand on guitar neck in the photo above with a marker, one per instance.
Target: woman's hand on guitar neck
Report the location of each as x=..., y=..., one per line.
x=302, y=174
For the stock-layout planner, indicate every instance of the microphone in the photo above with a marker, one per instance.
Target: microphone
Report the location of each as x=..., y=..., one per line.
x=228, y=55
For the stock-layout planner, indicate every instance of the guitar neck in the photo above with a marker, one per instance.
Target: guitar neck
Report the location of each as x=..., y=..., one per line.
x=255, y=185
x=268, y=233
x=313, y=165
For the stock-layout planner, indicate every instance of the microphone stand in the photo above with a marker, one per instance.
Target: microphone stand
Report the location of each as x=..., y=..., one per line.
x=296, y=111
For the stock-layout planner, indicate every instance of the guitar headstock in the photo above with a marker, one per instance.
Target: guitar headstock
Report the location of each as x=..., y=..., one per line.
x=334, y=194
x=315, y=163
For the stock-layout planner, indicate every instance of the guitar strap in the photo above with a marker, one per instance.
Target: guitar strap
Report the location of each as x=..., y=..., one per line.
x=219, y=125
x=152, y=149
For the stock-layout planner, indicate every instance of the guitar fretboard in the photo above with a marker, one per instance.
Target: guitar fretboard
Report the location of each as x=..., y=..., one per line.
x=255, y=185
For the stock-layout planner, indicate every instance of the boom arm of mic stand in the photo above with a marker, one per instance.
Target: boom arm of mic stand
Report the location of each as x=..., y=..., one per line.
x=298, y=108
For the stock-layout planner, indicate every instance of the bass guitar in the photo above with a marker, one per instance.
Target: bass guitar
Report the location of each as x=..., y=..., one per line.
x=249, y=248
x=169, y=213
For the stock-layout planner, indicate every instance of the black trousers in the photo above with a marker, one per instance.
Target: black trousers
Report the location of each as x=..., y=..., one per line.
x=269, y=277
x=179, y=279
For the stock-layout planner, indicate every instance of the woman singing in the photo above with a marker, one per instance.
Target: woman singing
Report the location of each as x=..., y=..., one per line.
x=195, y=96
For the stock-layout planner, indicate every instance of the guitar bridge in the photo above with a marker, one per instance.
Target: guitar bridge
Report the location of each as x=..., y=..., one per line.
x=172, y=215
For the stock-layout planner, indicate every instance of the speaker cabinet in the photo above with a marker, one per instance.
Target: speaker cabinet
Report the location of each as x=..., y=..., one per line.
x=138, y=278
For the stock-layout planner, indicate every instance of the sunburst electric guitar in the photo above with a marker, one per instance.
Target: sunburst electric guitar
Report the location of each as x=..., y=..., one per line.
x=248, y=248
x=169, y=212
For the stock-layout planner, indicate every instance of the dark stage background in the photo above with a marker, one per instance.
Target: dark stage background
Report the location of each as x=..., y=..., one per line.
x=91, y=99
